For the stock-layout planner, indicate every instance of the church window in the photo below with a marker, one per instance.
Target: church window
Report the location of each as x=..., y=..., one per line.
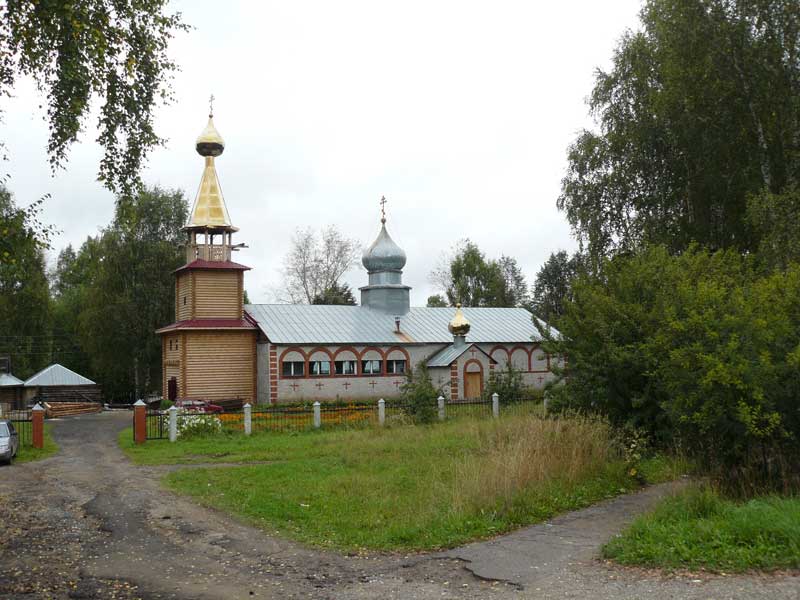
x=396, y=366
x=293, y=368
x=319, y=367
x=370, y=367
x=345, y=367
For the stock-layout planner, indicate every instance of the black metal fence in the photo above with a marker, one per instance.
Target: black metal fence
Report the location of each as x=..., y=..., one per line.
x=156, y=425
x=23, y=424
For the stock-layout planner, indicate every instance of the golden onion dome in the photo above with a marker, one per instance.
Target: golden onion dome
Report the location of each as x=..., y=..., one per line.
x=210, y=142
x=459, y=324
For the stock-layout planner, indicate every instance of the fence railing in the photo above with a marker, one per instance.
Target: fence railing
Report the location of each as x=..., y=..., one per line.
x=23, y=424
x=169, y=424
x=156, y=425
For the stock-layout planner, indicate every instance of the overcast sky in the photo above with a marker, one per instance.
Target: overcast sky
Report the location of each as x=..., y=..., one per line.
x=460, y=113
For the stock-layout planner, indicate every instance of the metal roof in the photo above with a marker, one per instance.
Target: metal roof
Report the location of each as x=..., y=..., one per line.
x=446, y=356
x=319, y=324
x=8, y=380
x=57, y=375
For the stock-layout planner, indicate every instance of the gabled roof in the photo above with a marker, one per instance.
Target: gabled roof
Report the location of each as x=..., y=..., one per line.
x=318, y=324
x=57, y=375
x=8, y=380
x=447, y=356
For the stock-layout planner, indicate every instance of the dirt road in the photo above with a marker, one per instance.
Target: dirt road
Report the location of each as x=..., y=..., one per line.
x=89, y=524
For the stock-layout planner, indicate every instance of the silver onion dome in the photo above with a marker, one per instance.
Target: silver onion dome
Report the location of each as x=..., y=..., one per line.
x=383, y=254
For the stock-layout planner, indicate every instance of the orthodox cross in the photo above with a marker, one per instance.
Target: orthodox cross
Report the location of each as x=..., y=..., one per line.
x=373, y=384
x=541, y=379
x=294, y=386
x=320, y=385
x=347, y=384
x=473, y=351
x=383, y=209
x=397, y=383
x=211, y=106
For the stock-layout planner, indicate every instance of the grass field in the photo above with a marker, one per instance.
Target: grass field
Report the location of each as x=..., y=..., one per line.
x=698, y=529
x=29, y=453
x=403, y=488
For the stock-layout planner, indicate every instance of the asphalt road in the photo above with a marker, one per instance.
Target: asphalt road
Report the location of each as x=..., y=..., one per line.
x=89, y=524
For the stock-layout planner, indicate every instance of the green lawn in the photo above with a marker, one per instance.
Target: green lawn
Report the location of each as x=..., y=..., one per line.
x=29, y=453
x=401, y=488
x=698, y=529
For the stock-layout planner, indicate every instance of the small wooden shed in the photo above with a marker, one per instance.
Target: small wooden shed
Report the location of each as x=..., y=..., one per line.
x=57, y=383
x=11, y=392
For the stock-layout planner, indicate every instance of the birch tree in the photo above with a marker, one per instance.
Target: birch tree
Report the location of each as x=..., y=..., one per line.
x=699, y=111
x=316, y=263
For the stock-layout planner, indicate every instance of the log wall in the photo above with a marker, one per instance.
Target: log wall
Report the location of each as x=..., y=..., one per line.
x=184, y=298
x=218, y=295
x=220, y=365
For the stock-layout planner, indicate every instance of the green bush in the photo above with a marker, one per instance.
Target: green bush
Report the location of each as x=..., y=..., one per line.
x=419, y=395
x=506, y=383
x=700, y=348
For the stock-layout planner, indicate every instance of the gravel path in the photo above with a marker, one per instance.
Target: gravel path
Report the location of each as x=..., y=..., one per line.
x=89, y=524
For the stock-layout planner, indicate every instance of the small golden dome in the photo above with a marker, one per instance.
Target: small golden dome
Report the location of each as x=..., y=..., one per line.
x=459, y=325
x=210, y=142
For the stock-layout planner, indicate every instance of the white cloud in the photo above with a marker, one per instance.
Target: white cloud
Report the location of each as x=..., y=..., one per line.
x=459, y=112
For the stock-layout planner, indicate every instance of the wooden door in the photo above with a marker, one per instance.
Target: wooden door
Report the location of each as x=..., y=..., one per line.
x=472, y=385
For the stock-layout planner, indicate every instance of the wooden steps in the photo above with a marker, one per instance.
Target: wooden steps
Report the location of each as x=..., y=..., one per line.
x=70, y=409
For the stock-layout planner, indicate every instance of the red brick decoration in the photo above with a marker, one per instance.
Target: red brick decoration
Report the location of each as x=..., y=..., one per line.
x=454, y=381
x=140, y=423
x=38, y=428
x=273, y=375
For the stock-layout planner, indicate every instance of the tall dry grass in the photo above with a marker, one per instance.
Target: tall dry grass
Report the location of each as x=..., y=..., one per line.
x=520, y=454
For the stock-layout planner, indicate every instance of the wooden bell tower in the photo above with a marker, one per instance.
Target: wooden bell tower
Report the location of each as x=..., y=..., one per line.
x=209, y=352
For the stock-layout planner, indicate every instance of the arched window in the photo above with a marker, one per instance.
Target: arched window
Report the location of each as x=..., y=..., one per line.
x=371, y=362
x=319, y=363
x=345, y=362
x=293, y=364
x=396, y=361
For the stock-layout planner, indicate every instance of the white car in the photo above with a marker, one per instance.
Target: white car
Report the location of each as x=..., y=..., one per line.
x=9, y=441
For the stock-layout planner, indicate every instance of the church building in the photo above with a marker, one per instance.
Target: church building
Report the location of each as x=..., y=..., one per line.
x=221, y=349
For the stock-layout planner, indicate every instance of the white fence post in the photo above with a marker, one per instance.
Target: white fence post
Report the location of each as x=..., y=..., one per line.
x=440, y=400
x=248, y=419
x=381, y=412
x=173, y=423
x=317, y=415
x=496, y=405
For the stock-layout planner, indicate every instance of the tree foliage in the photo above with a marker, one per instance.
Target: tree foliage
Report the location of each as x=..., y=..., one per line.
x=700, y=110
x=24, y=293
x=776, y=219
x=699, y=347
x=119, y=288
x=470, y=278
x=317, y=263
x=80, y=52
x=436, y=301
x=552, y=288
x=336, y=294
